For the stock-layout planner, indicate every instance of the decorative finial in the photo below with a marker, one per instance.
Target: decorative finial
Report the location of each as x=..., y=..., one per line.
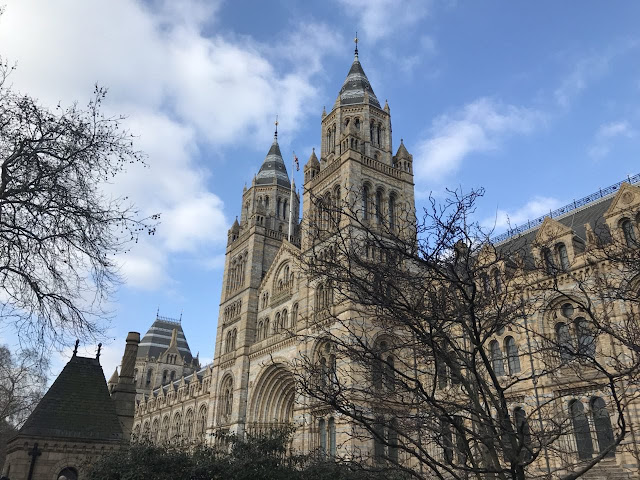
x=99, y=348
x=158, y=312
x=75, y=350
x=356, y=42
x=182, y=309
x=275, y=137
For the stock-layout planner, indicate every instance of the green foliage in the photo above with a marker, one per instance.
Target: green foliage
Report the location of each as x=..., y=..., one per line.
x=255, y=457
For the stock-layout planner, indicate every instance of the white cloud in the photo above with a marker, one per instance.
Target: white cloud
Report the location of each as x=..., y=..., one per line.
x=533, y=209
x=381, y=18
x=182, y=85
x=479, y=126
x=605, y=136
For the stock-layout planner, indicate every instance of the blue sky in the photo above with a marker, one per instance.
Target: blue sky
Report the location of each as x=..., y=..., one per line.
x=537, y=102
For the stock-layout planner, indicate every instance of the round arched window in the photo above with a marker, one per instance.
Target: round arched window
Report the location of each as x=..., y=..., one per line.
x=68, y=473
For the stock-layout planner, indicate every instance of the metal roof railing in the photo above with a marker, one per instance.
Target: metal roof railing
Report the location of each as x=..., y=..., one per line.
x=603, y=192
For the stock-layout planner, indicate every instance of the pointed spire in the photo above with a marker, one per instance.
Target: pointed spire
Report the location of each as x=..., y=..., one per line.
x=114, y=377
x=313, y=161
x=75, y=350
x=273, y=169
x=356, y=84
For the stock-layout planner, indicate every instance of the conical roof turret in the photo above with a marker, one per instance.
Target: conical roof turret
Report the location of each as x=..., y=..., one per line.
x=313, y=161
x=356, y=84
x=273, y=169
x=402, y=151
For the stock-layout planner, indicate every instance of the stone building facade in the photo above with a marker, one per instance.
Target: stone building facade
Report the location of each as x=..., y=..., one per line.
x=266, y=295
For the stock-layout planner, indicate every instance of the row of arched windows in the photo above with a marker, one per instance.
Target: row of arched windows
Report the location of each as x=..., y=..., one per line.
x=232, y=311
x=385, y=440
x=604, y=437
x=236, y=273
x=327, y=212
x=497, y=359
x=378, y=207
x=281, y=323
x=556, y=260
x=168, y=377
x=230, y=340
x=175, y=431
x=324, y=296
x=327, y=436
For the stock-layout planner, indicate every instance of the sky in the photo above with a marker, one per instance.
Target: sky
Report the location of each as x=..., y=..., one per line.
x=536, y=102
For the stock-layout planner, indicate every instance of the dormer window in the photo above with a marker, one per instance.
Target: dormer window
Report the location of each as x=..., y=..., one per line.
x=357, y=123
x=629, y=232
x=563, y=256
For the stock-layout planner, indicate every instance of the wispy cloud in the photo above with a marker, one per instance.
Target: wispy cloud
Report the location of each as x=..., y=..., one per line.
x=479, y=126
x=606, y=135
x=380, y=18
x=534, y=208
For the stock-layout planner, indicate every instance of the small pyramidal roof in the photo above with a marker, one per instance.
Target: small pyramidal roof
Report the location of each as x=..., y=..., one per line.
x=356, y=84
x=273, y=169
x=77, y=405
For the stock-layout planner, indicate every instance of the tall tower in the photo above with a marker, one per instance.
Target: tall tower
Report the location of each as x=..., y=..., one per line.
x=253, y=242
x=357, y=164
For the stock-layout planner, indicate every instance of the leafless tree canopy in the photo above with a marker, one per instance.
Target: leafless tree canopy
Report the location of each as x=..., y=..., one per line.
x=457, y=358
x=59, y=231
x=22, y=383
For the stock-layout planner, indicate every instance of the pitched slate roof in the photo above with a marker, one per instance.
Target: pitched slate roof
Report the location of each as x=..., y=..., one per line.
x=355, y=85
x=77, y=405
x=273, y=169
x=158, y=338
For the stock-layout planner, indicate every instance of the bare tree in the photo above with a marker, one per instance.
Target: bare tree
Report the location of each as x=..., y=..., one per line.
x=452, y=357
x=59, y=230
x=22, y=384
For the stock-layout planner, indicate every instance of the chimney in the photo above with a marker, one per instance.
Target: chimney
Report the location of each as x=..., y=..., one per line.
x=124, y=392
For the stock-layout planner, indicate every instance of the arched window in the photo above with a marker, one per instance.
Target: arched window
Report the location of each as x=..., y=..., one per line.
x=563, y=256
x=602, y=425
x=164, y=434
x=581, y=431
x=513, y=358
x=392, y=212
x=322, y=435
x=586, y=340
x=285, y=210
x=69, y=473
x=497, y=362
x=547, y=257
x=563, y=340
x=332, y=436
x=278, y=201
x=389, y=374
x=277, y=323
x=266, y=328
x=486, y=285
x=378, y=439
x=188, y=424
x=226, y=394
x=379, y=135
x=155, y=431
x=149, y=375
x=294, y=315
x=628, y=232
x=379, y=206
x=260, y=332
x=392, y=438
x=523, y=432
x=497, y=281
x=365, y=202
x=145, y=430
x=177, y=428
x=234, y=335
x=371, y=128
x=173, y=375
x=202, y=422
x=285, y=319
